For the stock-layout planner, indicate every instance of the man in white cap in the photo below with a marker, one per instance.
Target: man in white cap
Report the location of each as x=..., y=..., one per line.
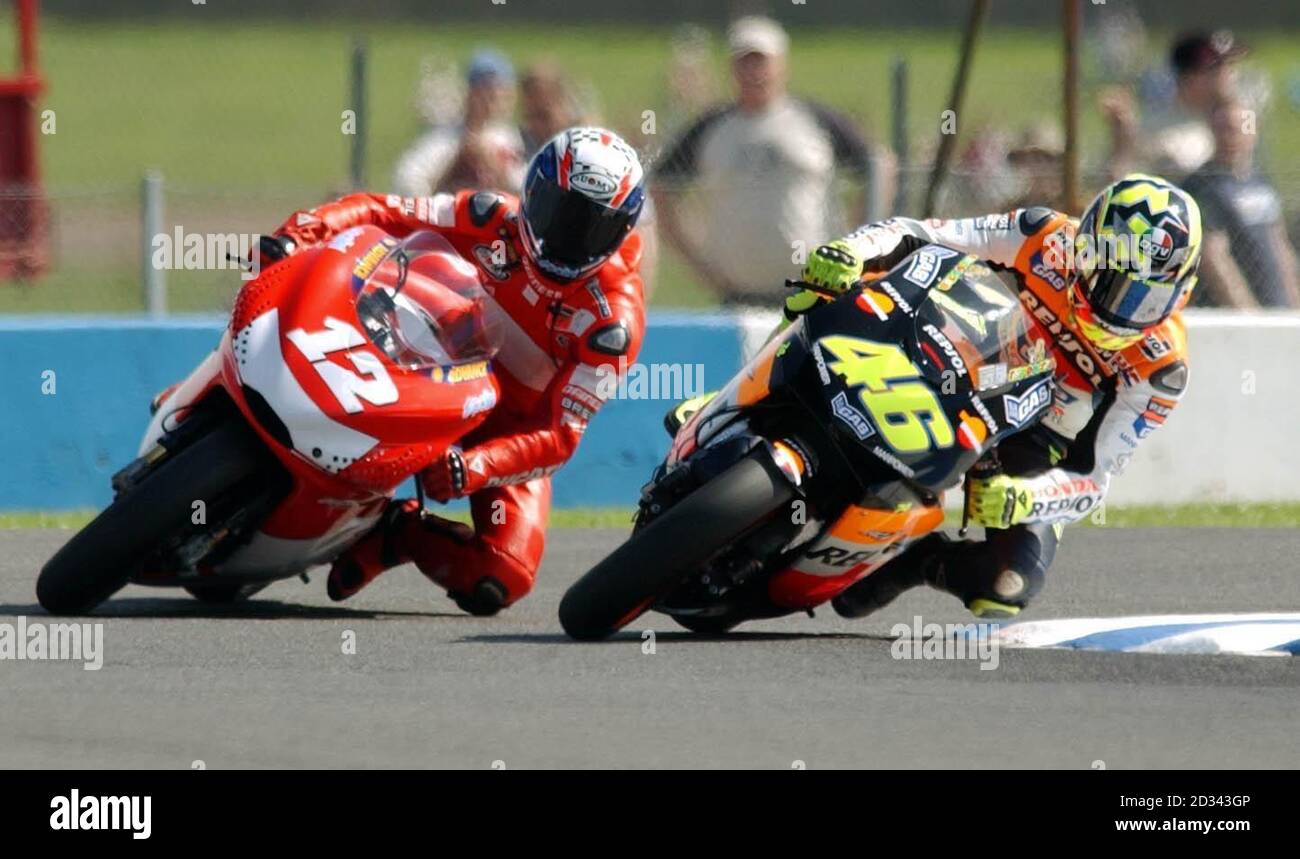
x=762, y=170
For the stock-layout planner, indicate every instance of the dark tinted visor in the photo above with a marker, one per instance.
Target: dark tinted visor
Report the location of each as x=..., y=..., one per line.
x=1130, y=304
x=570, y=228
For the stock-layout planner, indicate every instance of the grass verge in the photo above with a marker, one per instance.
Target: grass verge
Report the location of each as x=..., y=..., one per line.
x=1285, y=515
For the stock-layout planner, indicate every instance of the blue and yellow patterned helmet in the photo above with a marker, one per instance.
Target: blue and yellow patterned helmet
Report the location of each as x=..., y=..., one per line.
x=1137, y=250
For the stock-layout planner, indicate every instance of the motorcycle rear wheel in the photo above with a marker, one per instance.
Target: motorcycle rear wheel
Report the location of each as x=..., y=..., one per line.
x=102, y=557
x=654, y=559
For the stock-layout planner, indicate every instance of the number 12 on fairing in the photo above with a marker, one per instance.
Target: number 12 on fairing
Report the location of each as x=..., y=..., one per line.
x=346, y=386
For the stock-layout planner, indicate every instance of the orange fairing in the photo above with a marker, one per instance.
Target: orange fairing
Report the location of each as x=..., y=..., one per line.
x=870, y=525
x=859, y=542
x=758, y=375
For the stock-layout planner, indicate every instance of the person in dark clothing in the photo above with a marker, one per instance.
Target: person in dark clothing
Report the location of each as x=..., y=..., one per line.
x=1248, y=259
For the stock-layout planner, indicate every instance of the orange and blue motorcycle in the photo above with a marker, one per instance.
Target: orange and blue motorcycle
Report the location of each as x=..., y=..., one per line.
x=828, y=454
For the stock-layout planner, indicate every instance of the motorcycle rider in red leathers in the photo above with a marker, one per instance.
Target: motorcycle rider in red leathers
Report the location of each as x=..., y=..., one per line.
x=562, y=262
x=1105, y=293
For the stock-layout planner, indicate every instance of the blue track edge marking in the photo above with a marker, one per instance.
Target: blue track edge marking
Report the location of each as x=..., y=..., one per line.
x=1122, y=639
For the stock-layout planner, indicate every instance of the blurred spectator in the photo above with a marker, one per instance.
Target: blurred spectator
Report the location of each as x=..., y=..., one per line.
x=1037, y=162
x=692, y=82
x=548, y=104
x=981, y=178
x=483, y=151
x=1247, y=260
x=440, y=93
x=1174, y=141
x=1118, y=42
x=762, y=169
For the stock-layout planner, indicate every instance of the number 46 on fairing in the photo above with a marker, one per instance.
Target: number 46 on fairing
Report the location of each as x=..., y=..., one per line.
x=903, y=408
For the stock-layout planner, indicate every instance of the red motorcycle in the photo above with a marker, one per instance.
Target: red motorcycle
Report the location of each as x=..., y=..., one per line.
x=346, y=369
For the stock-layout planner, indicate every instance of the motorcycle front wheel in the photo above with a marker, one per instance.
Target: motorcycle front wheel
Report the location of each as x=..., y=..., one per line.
x=102, y=557
x=656, y=558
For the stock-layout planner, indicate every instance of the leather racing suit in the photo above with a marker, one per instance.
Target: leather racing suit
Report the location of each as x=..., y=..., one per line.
x=562, y=340
x=1105, y=404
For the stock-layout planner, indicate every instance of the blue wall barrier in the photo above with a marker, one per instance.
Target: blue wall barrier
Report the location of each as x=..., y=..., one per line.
x=65, y=434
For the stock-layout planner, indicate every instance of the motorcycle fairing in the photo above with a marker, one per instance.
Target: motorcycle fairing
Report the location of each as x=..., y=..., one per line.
x=860, y=541
x=983, y=396
x=343, y=457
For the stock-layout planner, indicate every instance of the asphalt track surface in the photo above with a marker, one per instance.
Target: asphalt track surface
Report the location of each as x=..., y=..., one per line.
x=266, y=684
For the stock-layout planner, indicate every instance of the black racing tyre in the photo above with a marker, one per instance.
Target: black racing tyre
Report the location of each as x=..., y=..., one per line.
x=654, y=559
x=222, y=594
x=707, y=625
x=102, y=557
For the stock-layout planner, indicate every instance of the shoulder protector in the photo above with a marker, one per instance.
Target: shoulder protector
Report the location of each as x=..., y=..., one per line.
x=482, y=206
x=1170, y=379
x=612, y=339
x=1033, y=219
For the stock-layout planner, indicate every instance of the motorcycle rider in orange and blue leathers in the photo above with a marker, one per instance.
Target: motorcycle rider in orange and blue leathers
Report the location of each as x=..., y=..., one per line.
x=1105, y=293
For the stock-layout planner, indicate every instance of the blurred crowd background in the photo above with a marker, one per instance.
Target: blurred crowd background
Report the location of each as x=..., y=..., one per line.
x=766, y=128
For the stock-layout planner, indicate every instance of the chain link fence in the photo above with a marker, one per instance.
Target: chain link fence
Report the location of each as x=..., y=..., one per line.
x=95, y=257
x=100, y=257
x=891, y=84
x=24, y=233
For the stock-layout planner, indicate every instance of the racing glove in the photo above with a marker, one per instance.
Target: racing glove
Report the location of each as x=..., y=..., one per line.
x=271, y=249
x=447, y=478
x=833, y=266
x=999, y=501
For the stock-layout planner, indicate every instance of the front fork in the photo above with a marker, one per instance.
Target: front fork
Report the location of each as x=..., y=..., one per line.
x=674, y=481
x=196, y=385
x=715, y=590
x=154, y=450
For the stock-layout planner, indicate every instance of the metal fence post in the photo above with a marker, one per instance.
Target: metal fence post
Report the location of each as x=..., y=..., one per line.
x=1072, y=11
x=357, y=161
x=153, y=278
x=979, y=12
x=875, y=194
x=898, y=103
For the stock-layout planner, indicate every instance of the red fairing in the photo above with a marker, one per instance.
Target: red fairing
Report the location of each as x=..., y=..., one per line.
x=558, y=361
x=800, y=591
x=357, y=424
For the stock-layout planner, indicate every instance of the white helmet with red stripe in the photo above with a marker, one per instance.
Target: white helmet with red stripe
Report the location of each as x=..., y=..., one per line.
x=582, y=195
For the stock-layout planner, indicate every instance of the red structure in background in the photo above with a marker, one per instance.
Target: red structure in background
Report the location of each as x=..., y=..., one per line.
x=24, y=216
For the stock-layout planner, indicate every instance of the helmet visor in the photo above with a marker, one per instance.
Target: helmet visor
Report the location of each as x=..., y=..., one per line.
x=1130, y=304
x=570, y=229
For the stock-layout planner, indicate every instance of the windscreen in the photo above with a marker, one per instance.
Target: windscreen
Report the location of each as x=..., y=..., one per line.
x=972, y=323
x=424, y=306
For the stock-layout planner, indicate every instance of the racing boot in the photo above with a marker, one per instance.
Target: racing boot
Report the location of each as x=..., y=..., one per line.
x=372, y=554
x=919, y=565
x=990, y=588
